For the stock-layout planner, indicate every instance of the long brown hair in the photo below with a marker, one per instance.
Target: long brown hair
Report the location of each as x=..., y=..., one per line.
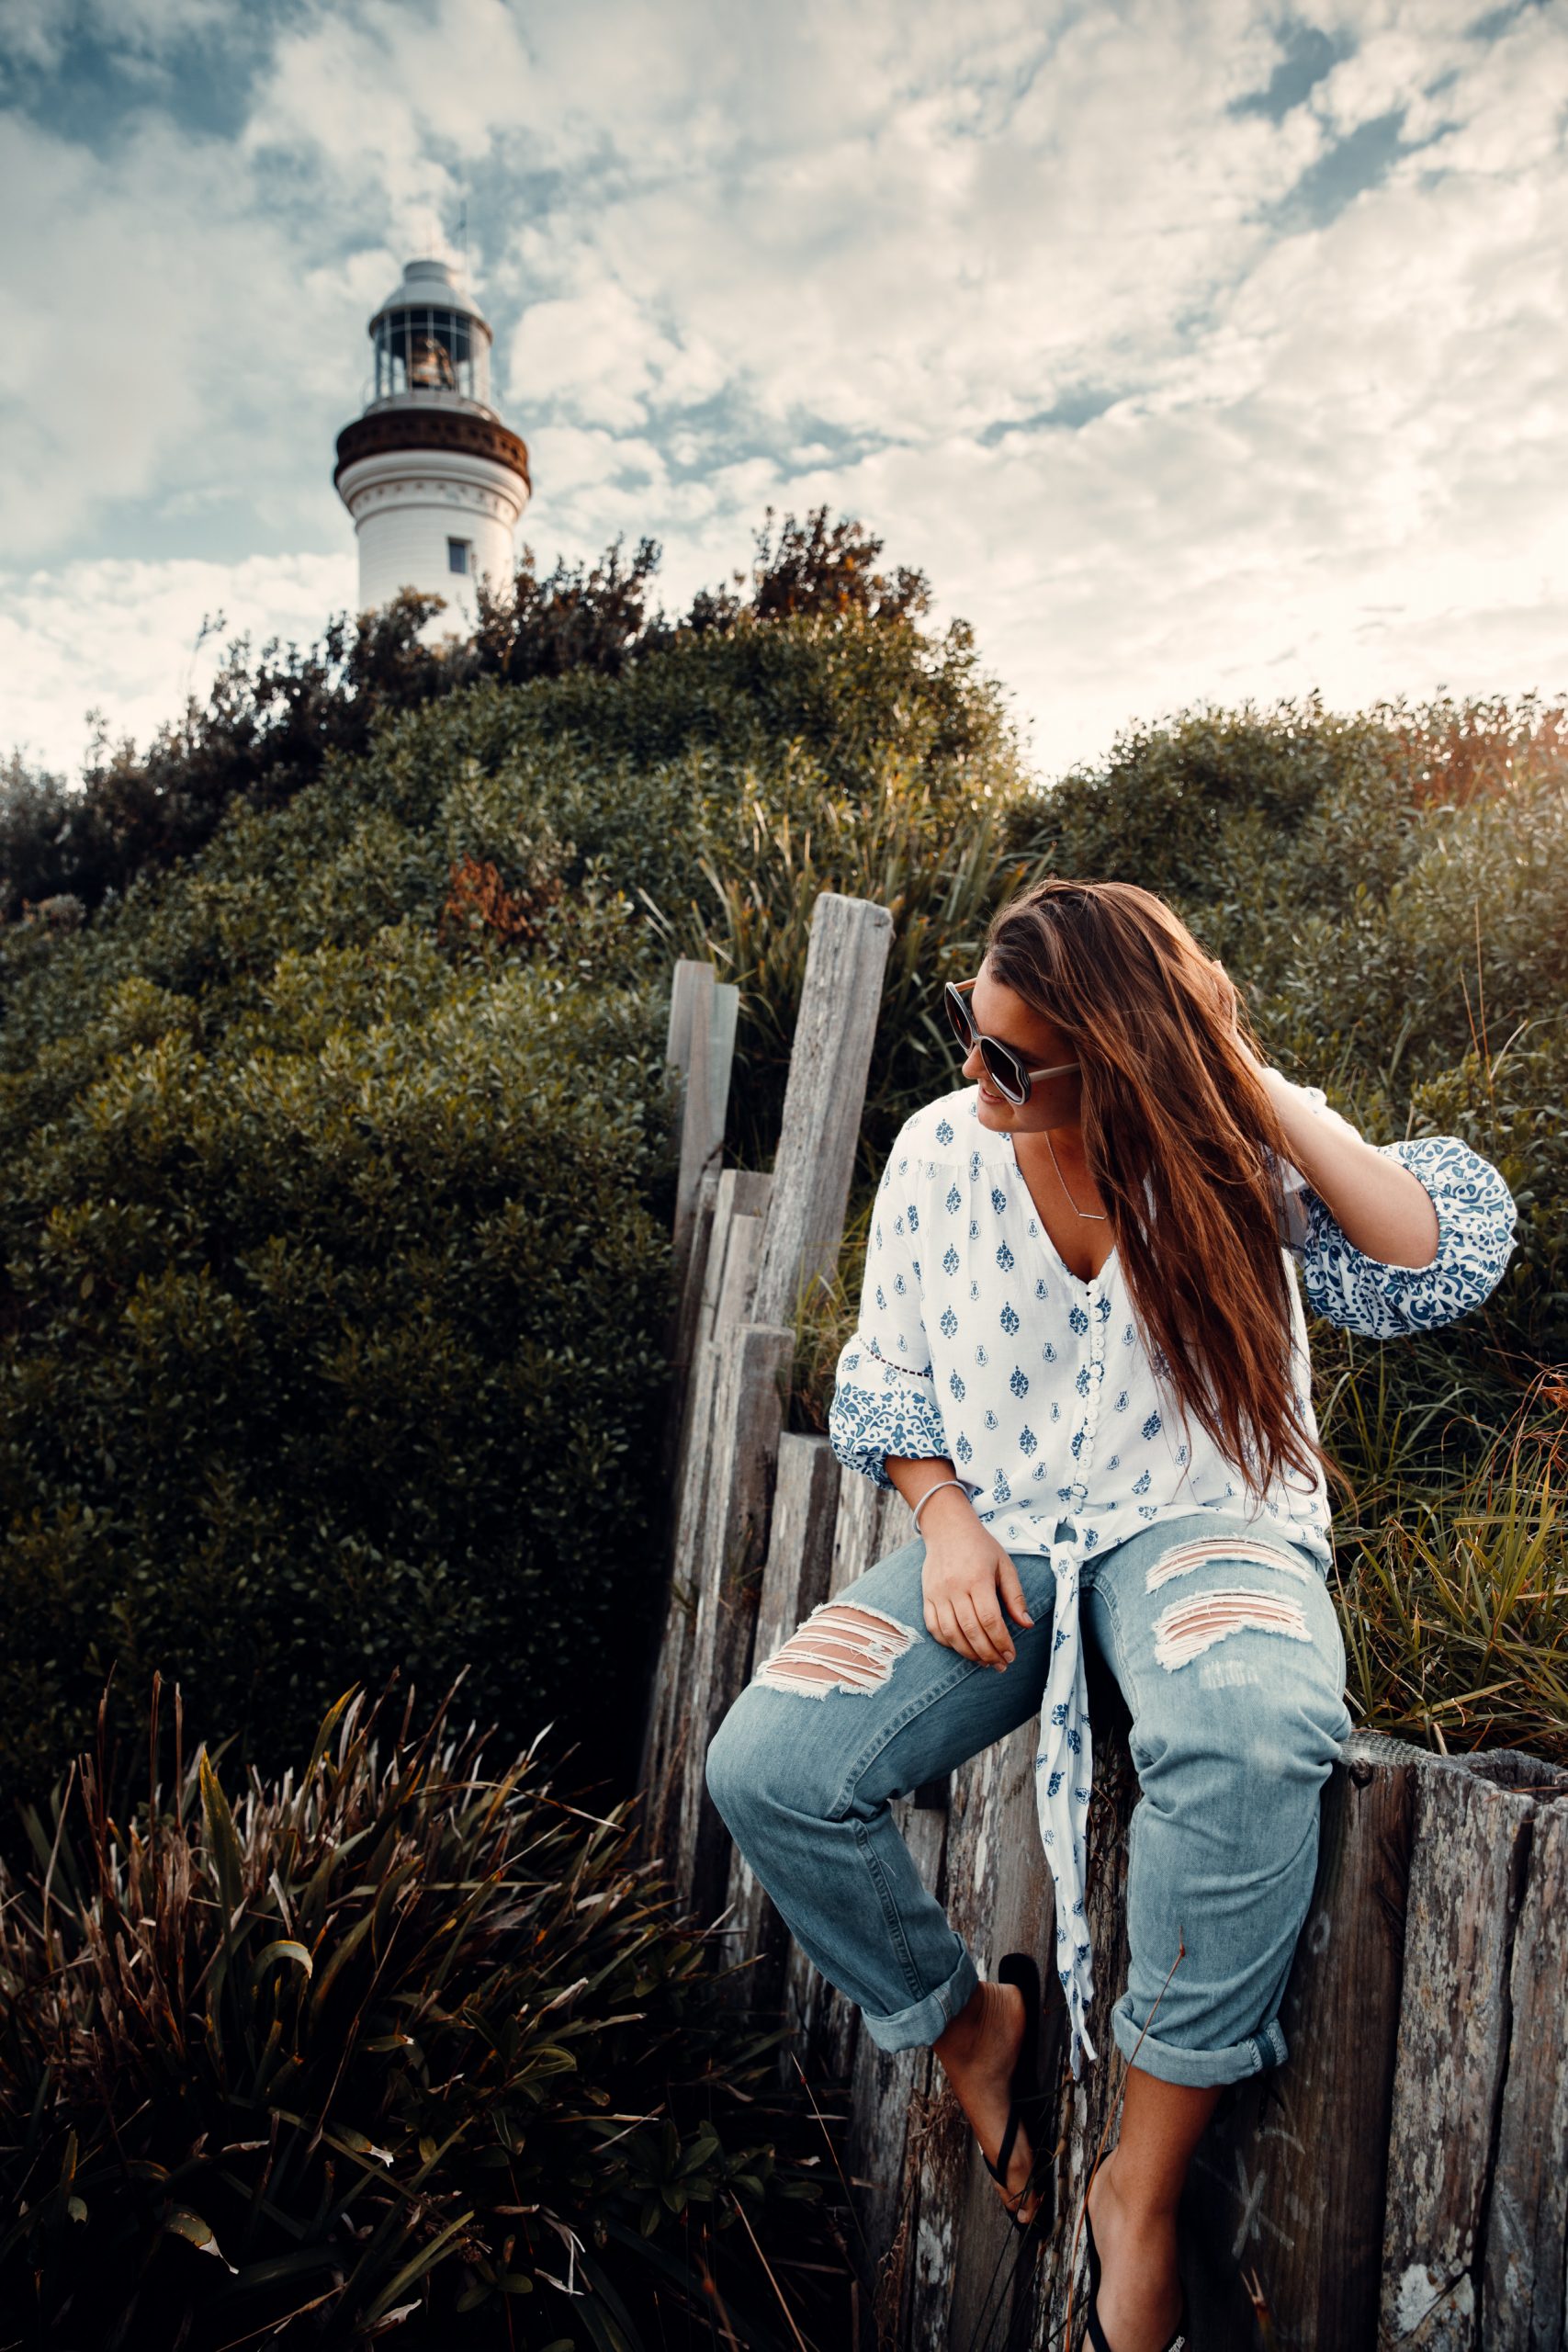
x=1176, y=1126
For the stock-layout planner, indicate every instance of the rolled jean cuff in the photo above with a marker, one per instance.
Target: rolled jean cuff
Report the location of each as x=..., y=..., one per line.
x=919, y=2026
x=1199, y=2069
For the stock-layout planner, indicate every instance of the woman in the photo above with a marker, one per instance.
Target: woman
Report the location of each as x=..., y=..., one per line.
x=1081, y=1356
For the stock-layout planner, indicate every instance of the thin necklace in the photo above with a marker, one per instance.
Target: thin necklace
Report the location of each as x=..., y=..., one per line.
x=1095, y=1216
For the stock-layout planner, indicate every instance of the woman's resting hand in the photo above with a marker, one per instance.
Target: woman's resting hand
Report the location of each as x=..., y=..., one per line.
x=968, y=1583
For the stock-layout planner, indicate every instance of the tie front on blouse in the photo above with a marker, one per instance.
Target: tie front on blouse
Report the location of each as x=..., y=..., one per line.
x=1063, y=1775
x=976, y=1344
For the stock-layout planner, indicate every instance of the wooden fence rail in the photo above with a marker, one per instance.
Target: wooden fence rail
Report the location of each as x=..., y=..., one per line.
x=1401, y=2183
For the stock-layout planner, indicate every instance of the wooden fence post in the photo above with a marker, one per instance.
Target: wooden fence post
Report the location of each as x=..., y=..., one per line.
x=749, y=1397
x=700, y=1045
x=825, y=1100
x=725, y=1273
x=701, y=1039
x=1472, y=1842
x=740, y=1379
x=1525, y=2284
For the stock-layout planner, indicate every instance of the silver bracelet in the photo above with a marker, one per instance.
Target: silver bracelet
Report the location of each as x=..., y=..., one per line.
x=936, y=1490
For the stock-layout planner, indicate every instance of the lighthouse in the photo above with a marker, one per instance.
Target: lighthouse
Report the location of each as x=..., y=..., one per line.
x=436, y=482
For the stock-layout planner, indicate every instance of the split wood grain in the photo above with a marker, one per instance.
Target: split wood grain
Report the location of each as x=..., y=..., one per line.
x=683, y=1330
x=1467, y=1875
x=729, y=1280
x=700, y=1047
x=674, y=1647
x=824, y=1099
x=1525, y=2285
x=726, y=1277
x=751, y=1387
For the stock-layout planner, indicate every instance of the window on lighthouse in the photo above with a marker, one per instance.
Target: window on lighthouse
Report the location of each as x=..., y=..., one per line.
x=459, y=555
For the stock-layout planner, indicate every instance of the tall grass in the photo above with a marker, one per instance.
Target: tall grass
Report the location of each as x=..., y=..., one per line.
x=1453, y=1597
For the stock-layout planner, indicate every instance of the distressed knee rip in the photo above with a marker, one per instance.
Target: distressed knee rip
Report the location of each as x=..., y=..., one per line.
x=840, y=1647
x=1185, y=1557
x=1186, y=1628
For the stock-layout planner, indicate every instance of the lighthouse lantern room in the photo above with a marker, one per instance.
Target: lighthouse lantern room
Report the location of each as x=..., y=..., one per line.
x=436, y=482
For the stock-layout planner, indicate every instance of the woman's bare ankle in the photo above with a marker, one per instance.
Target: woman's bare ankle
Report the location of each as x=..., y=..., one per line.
x=963, y=2034
x=1134, y=2199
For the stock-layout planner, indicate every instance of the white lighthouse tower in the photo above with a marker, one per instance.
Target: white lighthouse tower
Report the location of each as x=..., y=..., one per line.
x=436, y=483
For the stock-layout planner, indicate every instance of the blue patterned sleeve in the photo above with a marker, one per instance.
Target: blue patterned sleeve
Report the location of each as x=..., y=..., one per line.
x=885, y=1397
x=1475, y=1239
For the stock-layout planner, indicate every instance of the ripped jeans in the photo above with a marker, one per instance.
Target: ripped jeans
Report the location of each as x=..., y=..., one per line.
x=1237, y=1716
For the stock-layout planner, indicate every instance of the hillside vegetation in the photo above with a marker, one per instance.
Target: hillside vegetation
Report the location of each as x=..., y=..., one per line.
x=333, y=1220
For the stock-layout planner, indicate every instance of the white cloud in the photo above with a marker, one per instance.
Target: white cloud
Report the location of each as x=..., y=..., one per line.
x=120, y=638
x=857, y=256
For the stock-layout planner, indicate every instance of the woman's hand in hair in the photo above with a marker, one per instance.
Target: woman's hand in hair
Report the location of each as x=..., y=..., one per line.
x=1230, y=1009
x=969, y=1584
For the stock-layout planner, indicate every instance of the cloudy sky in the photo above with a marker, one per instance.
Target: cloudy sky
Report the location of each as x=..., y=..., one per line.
x=1197, y=349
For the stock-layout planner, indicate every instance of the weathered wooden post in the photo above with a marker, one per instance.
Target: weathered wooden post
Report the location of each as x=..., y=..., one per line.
x=1525, y=2278
x=1461, y=2051
x=721, y=1279
x=699, y=1045
x=738, y=1395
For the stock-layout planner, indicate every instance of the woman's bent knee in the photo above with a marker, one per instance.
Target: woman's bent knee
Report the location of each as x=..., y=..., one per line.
x=728, y=1768
x=760, y=1764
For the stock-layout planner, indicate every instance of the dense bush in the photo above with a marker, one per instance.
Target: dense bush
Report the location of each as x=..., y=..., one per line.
x=401, y=2039
x=332, y=1339
x=272, y=721
x=334, y=1227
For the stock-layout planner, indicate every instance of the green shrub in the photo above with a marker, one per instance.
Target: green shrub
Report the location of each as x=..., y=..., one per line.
x=400, y=2034
x=1382, y=884
x=333, y=1344
x=334, y=1226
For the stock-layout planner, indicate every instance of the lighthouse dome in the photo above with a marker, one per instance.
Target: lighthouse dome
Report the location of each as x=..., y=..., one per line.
x=430, y=281
x=431, y=339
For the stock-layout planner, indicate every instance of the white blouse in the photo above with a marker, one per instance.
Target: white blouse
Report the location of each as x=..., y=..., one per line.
x=976, y=1342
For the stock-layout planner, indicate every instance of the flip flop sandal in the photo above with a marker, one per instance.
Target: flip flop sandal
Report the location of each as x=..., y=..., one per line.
x=1025, y=2093
x=1096, y=2334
